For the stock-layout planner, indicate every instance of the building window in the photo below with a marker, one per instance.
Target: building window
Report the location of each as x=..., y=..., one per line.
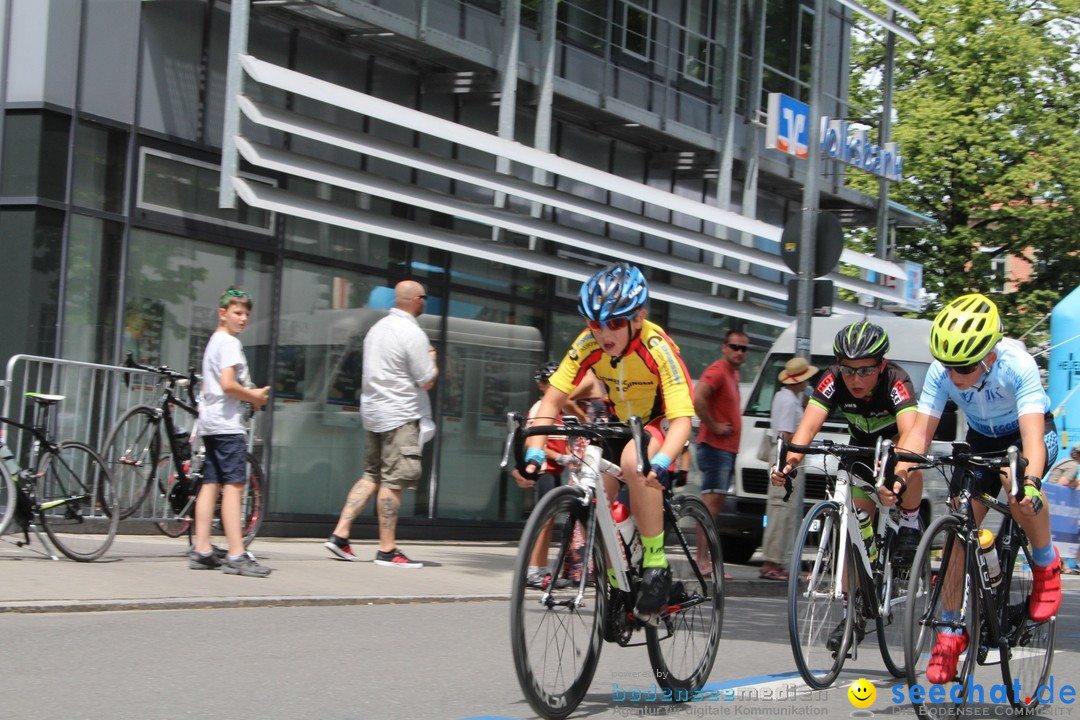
x=698, y=46
x=35, y=154
x=98, y=173
x=584, y=23
x=635, y=27
x=90, y=298
x=188, y=188
x=30, y=276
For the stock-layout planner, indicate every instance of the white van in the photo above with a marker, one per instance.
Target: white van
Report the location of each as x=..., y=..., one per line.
x=741, y=522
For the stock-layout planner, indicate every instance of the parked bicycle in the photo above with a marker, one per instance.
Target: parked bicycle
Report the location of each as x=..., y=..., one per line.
x=148, y=448
x=840, y=580
x=991, y=606
x=588, y=598
x=61, y=494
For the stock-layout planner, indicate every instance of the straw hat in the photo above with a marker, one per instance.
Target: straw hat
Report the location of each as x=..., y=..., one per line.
x=795, y=371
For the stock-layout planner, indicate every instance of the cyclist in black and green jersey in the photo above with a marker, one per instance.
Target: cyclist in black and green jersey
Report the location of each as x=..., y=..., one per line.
x=877, y=399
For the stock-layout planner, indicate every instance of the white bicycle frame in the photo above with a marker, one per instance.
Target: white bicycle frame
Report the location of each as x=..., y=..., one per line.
x=842, y=496
x=590, y=477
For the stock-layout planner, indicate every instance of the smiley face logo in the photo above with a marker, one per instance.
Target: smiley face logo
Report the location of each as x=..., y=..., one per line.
x=861, y=693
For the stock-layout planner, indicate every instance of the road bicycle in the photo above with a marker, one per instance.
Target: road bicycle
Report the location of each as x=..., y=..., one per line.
x=141, y=459
x=993, y=612
x=61, y=494
x=832, y=566
x=589, y=596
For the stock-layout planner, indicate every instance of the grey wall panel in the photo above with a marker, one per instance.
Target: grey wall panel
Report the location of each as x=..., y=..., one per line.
x=44, y=38
x=634, y=89
x=110, y=48
x=265, y=41
x=172, y=50
x=582, y=67
x=483, y=28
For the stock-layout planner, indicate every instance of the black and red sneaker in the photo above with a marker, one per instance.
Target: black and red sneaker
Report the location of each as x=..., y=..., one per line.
x=341, y=548
x=395, y=558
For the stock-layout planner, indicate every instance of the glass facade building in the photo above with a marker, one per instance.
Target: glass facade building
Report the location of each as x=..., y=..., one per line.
x=113, y=240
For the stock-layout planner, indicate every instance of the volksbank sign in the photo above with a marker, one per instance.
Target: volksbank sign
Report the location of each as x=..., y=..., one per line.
x=788, y=129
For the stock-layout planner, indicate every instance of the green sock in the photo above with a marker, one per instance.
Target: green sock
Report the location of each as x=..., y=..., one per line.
x=654, y=551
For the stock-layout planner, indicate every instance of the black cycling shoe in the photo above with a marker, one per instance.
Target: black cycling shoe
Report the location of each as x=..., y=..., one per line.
x=654, y=591
x=904, y=546
x=836, y=637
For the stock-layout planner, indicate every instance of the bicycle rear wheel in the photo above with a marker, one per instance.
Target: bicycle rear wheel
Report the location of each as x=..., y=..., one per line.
x=683, y=649
x=252, y=503
x=131, y=450
x=896, y=582
x=943, y=546
x=815, y=601
x=7, y=498
x=1031, y=644
x=555, y=638
x=73, y=488
x=180, y=521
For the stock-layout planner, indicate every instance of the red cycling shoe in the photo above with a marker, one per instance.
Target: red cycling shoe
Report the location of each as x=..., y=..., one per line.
x=1045, y=590
x=946, y=654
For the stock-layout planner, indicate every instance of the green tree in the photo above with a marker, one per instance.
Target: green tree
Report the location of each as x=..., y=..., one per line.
x=986, y=115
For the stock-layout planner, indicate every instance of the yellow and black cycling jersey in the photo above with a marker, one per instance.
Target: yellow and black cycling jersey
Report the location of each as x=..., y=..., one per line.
x=649, y=380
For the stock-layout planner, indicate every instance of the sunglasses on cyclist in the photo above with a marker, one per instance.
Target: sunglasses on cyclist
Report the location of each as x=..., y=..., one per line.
x=860, y=371
x=616, y=324
x=738, y=348
x=965, y=369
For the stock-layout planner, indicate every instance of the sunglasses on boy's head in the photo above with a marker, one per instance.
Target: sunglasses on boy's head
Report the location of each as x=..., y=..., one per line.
x=615, y=324
x=232, y=294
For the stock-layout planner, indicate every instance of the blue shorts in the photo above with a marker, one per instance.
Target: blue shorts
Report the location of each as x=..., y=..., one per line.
x=226, y=459
x=717, y=468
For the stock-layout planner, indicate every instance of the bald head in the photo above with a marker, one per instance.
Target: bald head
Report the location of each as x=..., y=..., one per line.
x=409, y=296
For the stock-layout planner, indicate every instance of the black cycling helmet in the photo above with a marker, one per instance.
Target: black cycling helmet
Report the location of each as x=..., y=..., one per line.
x=545, y=370
x=617, y=291
x=861, y=340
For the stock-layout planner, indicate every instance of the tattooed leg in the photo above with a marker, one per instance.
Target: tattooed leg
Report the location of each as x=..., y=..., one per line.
x=389, y=508
x=354, y=503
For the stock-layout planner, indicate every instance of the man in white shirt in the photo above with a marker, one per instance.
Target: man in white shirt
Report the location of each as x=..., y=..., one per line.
x=784, y=416
x=399, y=368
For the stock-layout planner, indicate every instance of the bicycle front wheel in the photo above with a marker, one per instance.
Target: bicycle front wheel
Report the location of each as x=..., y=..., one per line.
x=1031, y=644
x=74, y=488
x=896, y=584
x=132, y=450
x=816, y=597
x=7, y=498
x=555, y=636
x=951, y=604
x=251, y=507
x=683, y=649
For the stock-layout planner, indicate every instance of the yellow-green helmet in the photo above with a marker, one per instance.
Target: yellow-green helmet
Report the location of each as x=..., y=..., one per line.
x=965, y=330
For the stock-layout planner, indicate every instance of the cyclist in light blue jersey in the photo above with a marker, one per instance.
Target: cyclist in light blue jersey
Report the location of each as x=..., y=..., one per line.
x=996, y=383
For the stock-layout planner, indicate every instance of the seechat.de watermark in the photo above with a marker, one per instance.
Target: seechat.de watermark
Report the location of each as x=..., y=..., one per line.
x=976, y=693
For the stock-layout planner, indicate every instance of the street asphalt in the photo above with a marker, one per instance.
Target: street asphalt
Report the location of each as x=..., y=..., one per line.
x=144, y=572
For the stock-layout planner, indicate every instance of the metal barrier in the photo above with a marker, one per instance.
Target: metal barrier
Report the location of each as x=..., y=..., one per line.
x=94, y=396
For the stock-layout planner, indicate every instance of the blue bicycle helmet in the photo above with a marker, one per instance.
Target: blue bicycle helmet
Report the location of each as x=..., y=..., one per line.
x=617, y=291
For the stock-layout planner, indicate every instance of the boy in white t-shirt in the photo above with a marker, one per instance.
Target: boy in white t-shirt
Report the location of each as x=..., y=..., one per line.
x=222, y=425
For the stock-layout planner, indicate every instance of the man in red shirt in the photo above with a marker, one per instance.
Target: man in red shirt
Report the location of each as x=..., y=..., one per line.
x=717, y=402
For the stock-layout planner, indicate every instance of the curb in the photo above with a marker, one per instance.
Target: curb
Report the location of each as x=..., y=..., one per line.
x=205, y=603
x=732, y=589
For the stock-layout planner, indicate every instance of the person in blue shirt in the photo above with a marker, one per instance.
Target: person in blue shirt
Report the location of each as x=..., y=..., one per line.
x=996, y=383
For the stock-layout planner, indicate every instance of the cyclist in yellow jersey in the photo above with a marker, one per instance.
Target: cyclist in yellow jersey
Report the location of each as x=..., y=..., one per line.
x=645, y=376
